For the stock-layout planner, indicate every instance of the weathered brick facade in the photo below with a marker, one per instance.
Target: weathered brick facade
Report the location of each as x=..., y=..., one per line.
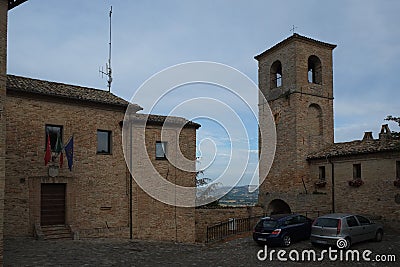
x=97, y=189
x=303, y=114
x=311, y=173
x=3, y=65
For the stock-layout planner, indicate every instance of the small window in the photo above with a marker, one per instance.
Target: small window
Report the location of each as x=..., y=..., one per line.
x=322, y=173
x=356, y=171
x=314, y=70
x=276, y=75
x=398, y=169
x=55, y=133
x=161, y=150
x=103, y=142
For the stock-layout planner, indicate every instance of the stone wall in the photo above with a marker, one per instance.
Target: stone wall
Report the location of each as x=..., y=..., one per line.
x=3, y=72
x=211, y=216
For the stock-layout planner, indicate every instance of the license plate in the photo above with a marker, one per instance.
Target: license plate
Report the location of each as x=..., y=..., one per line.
x=262, y=239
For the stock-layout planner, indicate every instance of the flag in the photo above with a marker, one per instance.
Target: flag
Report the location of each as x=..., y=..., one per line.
x=47, y=155
x=69, y=152
x=59, y=145
x=61, y=159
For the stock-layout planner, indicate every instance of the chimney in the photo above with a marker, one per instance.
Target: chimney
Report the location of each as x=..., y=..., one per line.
x=385, y=133
x=368, y=136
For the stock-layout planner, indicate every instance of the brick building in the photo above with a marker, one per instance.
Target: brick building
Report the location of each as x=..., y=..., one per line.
x=96, y=198
x=296, y=79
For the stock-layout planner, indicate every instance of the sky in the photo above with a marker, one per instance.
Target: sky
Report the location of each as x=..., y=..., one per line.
x=67, y=41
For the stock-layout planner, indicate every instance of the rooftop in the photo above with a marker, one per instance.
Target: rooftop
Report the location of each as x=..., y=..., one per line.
x=161, y=119
x=299, y=37
x=66, y=91
x=356, y=148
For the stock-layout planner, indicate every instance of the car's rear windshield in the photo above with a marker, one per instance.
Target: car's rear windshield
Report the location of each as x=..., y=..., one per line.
x=327, y=222
x=267, y=223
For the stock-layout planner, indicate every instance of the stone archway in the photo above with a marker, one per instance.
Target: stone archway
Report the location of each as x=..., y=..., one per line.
x=278, y=206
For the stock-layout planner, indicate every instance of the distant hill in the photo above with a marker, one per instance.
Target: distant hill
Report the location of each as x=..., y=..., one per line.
x=240, y=196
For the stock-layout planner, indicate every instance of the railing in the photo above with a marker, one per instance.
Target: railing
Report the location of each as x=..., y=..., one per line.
x=231, y=227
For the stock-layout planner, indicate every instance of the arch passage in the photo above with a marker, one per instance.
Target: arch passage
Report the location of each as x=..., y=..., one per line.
x=278, y=206
x=314, y=70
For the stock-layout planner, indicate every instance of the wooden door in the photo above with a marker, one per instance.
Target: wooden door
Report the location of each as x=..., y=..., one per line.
x=52, y=203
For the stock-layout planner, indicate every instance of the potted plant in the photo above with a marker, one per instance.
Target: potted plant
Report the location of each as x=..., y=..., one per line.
x=320, y=183
x=356, y=182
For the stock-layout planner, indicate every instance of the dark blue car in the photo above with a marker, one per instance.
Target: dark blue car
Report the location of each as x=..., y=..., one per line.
x=282, y=229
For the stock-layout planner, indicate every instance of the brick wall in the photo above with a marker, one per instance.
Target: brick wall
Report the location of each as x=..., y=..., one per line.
x=3, y=65
x=96, y=189
x=152, y=218
x=377, y=196
x=208, y=217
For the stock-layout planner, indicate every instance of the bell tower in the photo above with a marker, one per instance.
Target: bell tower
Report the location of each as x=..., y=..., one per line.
x=296, y=80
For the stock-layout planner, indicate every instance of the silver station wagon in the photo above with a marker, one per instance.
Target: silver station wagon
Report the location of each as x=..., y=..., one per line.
x=342, y=230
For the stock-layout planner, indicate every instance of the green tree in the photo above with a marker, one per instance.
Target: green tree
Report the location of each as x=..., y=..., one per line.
x=396, y=135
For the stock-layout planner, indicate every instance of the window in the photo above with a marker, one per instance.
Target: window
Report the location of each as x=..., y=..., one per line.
x=322, y=173
x=103, y=142
x=314, y=70
x=276, y=74
x=362, y=220
x=161, y=150
x=54, y=132
x=351, y=221
x=398, y=169
x=356, y=171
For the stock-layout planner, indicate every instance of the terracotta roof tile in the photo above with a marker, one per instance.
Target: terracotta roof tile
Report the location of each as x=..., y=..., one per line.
x=356, y=148
x=61, y=90
x=161, y=119
x=295, y=37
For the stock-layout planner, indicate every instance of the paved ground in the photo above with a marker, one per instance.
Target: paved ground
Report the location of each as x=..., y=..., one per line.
x=122, y=252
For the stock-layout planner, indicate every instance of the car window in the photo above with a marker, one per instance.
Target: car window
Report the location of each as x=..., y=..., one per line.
x=291, y=221
x=301, y=219
x=351, y=221
x=267, y=224
x=362, y=220
x=327, y=222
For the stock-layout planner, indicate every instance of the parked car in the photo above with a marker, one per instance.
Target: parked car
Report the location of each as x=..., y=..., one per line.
x=328, y=229
x=282, y=229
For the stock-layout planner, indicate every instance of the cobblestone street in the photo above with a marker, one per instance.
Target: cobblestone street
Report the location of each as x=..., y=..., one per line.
x=123, y=252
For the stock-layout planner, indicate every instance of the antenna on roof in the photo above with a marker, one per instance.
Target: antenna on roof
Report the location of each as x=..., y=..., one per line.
x=108, y=71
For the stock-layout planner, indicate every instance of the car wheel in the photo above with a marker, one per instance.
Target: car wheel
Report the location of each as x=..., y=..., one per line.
x=348, y=244
x=287, y=240
x=379, y=236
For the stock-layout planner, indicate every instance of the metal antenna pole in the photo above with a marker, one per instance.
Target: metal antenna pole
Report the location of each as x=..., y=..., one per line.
x=109, y=72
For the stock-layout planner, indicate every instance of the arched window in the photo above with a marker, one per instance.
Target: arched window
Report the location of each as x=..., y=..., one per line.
x=276, y=74
x=314, y=118
x=314, y=70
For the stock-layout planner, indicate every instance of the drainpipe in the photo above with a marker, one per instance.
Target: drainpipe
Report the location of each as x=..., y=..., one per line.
x=329, y=158
x=130, y=183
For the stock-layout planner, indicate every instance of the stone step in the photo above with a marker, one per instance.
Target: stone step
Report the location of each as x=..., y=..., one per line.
x=54, y=232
